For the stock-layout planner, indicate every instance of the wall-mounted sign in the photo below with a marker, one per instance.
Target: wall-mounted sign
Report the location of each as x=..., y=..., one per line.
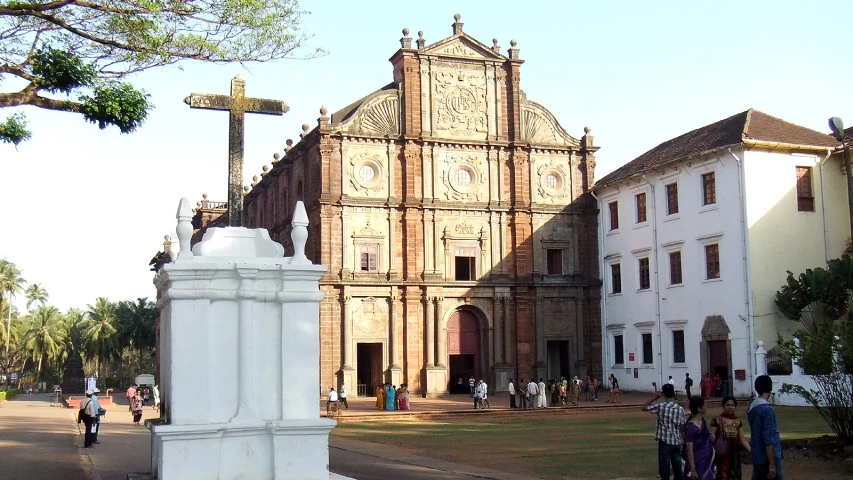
x=631, y=357
x=740, y=374
x=636, y=373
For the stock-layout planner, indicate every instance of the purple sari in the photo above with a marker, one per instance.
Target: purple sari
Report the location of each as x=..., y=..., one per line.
x=703, y=450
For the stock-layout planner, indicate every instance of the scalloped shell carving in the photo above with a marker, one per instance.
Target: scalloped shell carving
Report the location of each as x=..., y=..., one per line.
x=381, y=118
x=539, y=127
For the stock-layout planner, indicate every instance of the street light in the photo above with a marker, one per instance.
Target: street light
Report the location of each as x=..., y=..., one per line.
x=837, y=127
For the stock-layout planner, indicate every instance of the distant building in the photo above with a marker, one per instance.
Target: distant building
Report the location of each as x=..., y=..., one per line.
x=451, y=212
x=697, y=236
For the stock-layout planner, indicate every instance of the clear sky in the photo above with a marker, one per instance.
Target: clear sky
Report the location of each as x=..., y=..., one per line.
x=84, y=210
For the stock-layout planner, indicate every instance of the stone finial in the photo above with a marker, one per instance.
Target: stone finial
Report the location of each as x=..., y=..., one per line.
x=457, y=25
x=184, y=229
x=265, y=171
x=421, y=42
x=323, y=121
x=495, y=46
x=406, y=41
x=198, y=204
x=305, y=128
x=275, y=157
x=289, y=146
x=323, y=111
x=246, y=189
x=299, y=234
x=588, y=137
x=513, y=50
x=204, y=196
x=254, y=180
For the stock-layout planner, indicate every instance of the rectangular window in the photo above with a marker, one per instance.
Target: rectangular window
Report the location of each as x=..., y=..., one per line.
x=672, y=199
x=674, y=268
x=368, y=256
x=614, y=215
x=648, y=354
x=709, y=189
x=618, y=350
x=641, y=207
x=805, y=193
x=712, y=261
x=465, y=262
x=555, y=261
x=678, y=346
x=645, y=282
x=616, y=278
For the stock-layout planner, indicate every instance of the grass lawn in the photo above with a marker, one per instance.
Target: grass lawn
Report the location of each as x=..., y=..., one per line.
x=594, y=444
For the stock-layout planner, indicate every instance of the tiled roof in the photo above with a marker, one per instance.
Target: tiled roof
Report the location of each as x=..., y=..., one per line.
x=751, y=124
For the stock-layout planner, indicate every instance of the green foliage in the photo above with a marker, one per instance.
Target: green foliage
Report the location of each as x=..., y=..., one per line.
x=116, y=104
x=14, y=130
x=9, y=394
x=829, y=288
x=61, y=71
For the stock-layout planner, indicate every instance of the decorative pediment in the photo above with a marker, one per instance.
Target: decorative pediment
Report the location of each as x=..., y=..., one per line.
x=367, y=232
x=539, y=127
x=462, y=46
x=377, y=115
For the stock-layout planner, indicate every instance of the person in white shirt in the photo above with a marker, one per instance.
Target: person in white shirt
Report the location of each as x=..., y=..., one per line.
x=533, y=390
x=342, y=393
x=541, y=390
x=484, y=399
x=333, y=399
x=478, y=395
x=511, y=389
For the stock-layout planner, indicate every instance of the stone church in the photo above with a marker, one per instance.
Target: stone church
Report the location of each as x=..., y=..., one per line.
x=453, y=216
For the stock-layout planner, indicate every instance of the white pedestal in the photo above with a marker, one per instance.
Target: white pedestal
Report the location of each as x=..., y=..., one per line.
x=436, y=382
x=236, y=312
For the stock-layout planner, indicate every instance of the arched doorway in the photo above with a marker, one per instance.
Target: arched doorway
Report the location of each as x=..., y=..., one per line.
x=463, y=348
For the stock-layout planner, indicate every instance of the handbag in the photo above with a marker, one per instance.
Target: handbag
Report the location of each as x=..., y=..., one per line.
x=721, y=444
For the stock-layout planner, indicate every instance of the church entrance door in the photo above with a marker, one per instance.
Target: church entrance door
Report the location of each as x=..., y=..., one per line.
x=369, y=360
x=558, y=359
x=463, y=347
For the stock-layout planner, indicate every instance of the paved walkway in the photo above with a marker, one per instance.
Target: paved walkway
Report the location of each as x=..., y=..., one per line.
x=40, y=442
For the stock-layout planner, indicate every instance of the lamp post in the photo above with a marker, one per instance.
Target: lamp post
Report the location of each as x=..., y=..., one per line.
x=837, y=127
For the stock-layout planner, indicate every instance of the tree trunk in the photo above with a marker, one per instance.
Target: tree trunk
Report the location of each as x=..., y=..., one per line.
x=38, y=371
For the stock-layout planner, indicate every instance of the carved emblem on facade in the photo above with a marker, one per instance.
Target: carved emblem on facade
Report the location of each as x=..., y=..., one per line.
x=460, y=102
x=552, y=183
x=366, y=172
x=368, y=231
x=463, y=177
x=459, y=49
x=464, y=228
x=371, y=315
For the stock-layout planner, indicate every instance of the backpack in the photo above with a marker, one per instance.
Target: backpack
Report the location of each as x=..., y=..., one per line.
x=689, y=382
x=81, y=415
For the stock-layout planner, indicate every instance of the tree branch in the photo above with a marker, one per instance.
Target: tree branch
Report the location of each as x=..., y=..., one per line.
x=36, y=7
x=29, y=96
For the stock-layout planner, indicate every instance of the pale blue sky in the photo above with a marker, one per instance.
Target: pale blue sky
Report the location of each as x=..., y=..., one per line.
x=84, y=209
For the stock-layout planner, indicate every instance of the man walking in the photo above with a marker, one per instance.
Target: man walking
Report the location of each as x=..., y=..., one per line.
x=342, y=394
x=96, y=421
x=533, y=391
x=522, y=393
x=88, y=419
x=472, y=384
x=688, y=384
x=540, y=389
x=765, y=442
x=669, y=432
x=511, y=388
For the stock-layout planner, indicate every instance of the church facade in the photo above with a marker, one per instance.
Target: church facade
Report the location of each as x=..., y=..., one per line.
x=453, y=216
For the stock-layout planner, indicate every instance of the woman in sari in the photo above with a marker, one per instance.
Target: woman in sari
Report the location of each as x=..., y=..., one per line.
x=380, y=398
x=614, y=390
x=700, y=450
x=576, y=390
x=390, y=394
x=730, y=426
x=403, y=395
x=705, y=386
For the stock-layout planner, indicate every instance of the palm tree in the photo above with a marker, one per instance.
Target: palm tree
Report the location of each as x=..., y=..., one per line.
x=100, y=337
x=45, y=337
x=11, y=282
x=136, y=322
x=36, y=294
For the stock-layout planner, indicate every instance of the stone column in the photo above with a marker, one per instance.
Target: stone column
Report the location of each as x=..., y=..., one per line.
x=394, y=341
x=760, y=359
x=441, y=333
x=347, y=331
x=540, y=334
x=497, y=320
x=429, y=329
x=508, y=333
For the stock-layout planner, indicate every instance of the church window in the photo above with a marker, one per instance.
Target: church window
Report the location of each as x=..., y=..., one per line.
x=672, y=199
x=463, y=177
x=614, y=215
x=641, y=207
x=369, y=258
x=674, y=268
x=551, y=181
x=618, y=349
x=805, y=194
x=555, y=261
x=678, y=346
x=616, y=278
x=712, y=261
x=366, y=172
x=709, y=189
x=645, y=282
x=648, y=352
x=465, y=263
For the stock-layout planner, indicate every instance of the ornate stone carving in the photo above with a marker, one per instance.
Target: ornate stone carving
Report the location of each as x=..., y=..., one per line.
x=460, y=102
x=464, y=177
x=379, y=114
x=459, y=49
x=362, y=179
x=539, y=127
x=370, y=314
x=368, y=231
x=552, y=181
x=464, y=228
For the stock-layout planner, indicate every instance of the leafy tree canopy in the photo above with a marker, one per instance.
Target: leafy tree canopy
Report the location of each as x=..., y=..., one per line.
x=83, y=49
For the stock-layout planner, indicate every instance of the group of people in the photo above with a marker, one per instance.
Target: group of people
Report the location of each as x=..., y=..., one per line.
x=536, y=395
x=389, y=397
x=137, y=398
x=690, y=447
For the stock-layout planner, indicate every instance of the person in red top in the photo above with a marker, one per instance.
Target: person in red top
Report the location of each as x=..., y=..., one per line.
x=718, y=385
x=131, y=392
x=705, y=386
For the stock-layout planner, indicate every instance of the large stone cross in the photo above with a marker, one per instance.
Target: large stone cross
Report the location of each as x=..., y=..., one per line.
x=236, y=104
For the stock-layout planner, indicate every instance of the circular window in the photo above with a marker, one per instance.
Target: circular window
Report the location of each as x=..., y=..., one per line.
x=551, y=181
x=463, y=177
x=366, y=172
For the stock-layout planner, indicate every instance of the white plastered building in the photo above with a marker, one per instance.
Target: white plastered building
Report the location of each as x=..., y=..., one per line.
x=698, y=234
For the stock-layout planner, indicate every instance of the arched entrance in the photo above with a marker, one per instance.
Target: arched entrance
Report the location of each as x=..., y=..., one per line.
x=463, y=348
